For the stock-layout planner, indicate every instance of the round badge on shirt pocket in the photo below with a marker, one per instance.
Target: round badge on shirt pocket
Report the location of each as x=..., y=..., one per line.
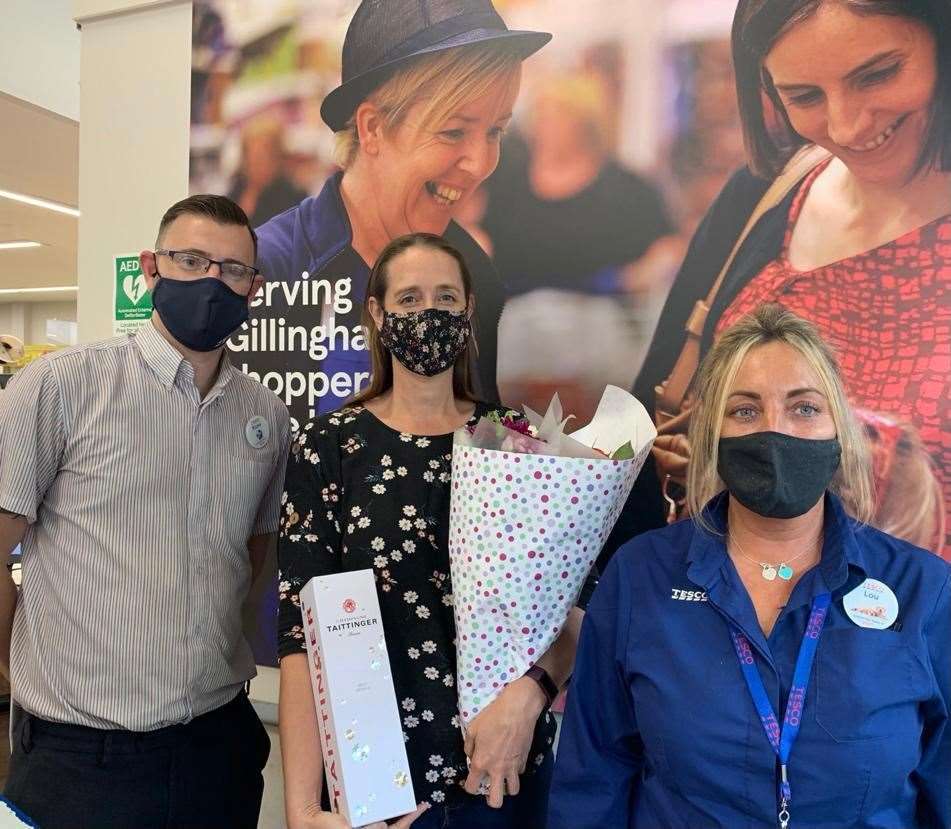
x=257, y=431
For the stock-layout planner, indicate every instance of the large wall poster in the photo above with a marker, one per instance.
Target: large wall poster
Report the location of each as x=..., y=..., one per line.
x=625, y=129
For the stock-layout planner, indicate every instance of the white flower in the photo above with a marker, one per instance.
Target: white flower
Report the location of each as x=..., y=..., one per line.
x=409, y=546
x=431, y=673
x=409, y=510
x=406, y=524
x=427, y=715
x=386, y=460
x=434, y=464
x=447, y=599
x=429, y=646
x=422, y=611
x=363, y=522
x=437, y=796
x=448, y=680
x=432, y=775
x=422, y=443
x=355, y=511
x=448, y=772
x=310, y=537
x=388, y=474
x=444, y=477
x=401, y=471
x=381, y=562
x=396, y=555
x=435, y=759
x=409, y=704
x=455, y=721
x=410, y=597
x=284, y=586
x=413, y=653
x=350, y=529
x=405, y=437
x=428, y=477
x=377, y=543
x=379, y=489
x=410, y=722
x=420, y=523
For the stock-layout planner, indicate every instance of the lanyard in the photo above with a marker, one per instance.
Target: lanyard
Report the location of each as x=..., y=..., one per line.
x=782, y=740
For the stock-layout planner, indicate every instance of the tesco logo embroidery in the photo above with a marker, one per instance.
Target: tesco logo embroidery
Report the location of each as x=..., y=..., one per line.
x=688, y=595
x=349, y=605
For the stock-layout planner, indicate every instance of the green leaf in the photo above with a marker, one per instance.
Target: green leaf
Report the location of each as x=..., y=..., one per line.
x=623, y=453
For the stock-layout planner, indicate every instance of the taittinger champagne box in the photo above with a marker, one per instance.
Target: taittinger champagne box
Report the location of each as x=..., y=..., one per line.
x=361, y=735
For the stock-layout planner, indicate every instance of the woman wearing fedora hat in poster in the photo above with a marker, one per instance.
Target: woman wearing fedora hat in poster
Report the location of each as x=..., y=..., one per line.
x=428, y=89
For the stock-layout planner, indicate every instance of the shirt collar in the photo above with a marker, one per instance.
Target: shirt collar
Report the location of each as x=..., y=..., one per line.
x=840, y=549
x=325, y=223
x=170, y=366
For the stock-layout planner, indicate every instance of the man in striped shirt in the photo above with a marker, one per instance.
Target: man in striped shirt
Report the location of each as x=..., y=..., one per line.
x=143, y=476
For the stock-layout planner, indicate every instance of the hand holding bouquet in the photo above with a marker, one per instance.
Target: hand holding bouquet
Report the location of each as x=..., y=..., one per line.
x=531, y=509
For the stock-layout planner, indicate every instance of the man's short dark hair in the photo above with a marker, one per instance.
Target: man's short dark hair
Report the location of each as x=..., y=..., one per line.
x=218, y=208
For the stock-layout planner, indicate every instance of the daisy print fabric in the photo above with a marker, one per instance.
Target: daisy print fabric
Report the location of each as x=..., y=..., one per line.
x=426, y=342
x=361, y=495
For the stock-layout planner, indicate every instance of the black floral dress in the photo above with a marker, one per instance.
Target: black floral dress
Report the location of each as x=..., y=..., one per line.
x=361, y=495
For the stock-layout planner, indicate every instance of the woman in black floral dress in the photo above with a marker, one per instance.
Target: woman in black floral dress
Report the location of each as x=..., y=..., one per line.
x=368, y=487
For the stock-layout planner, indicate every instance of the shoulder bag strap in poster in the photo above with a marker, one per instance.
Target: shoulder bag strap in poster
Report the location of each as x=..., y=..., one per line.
x=672, y=392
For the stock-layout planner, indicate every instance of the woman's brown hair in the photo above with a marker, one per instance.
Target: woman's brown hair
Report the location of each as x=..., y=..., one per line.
x=759, y=24
x=381, y=365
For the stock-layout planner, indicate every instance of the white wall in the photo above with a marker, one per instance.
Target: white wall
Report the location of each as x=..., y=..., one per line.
x=133, y=139
x=40, y=49
x=27, y=320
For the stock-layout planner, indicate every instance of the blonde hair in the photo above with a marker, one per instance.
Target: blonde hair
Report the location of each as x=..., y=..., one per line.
x=445, y=80
x=583, y=97
x=767, y=324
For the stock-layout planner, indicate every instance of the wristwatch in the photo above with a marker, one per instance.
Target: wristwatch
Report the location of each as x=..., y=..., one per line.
x=545, y=682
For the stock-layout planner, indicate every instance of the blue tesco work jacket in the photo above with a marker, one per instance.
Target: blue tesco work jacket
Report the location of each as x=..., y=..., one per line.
x=661, y=731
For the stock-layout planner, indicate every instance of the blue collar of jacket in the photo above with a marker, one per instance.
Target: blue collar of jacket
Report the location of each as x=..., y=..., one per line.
x=841, y=551
x=325, y=224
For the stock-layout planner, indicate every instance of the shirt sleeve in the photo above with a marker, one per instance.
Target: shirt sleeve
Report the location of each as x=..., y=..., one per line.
x=309, y=542
x=32, y=439
x=934, y=769
x=600, y=753
x=269, y=510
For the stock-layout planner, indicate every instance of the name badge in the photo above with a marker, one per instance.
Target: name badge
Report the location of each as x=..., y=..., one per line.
x=257, y=432
x=871, y=605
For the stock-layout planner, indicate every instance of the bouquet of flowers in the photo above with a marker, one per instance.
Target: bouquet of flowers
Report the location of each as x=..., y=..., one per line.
x=531, y=508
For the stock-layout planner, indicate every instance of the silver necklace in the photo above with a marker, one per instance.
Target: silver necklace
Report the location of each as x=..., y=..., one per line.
x=770, y=571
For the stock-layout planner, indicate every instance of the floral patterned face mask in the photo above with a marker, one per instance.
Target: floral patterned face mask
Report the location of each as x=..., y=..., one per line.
x=426, y=342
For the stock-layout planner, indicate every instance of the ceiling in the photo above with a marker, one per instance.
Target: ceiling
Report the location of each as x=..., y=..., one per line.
x=39, y=143
x=39, y=156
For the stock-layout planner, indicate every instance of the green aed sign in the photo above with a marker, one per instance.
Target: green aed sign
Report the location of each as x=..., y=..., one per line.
x=131, y=298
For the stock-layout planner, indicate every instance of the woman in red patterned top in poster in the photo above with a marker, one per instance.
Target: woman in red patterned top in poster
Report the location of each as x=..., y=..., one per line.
x=859, y=242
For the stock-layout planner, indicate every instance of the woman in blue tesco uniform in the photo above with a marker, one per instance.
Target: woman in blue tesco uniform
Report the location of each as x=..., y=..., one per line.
x=772, y=661
x=428, y=90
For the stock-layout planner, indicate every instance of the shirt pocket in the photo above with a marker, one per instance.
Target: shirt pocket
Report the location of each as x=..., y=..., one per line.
x=868, y=684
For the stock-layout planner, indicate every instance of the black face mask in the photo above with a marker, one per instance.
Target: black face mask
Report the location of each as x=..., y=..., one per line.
x=426, y=342
x=200, y=313
x=777, y=475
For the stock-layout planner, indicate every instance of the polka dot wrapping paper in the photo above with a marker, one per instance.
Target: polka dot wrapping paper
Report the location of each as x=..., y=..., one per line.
x=524, y=532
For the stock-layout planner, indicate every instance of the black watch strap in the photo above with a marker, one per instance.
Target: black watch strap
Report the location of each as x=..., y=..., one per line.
x=545, y=682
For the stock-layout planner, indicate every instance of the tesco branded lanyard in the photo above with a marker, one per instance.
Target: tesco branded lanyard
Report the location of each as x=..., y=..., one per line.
x=782, y=739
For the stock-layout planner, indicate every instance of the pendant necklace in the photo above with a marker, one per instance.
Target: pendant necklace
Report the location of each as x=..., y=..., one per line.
x=770, y=571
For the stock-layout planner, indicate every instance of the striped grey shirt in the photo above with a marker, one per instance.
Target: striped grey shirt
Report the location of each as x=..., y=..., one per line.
x=140, y=499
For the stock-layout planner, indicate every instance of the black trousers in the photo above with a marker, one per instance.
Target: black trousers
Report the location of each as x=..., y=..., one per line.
x=205, y=774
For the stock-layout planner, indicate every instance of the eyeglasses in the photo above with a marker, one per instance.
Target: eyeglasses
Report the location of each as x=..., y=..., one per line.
x=236, y=276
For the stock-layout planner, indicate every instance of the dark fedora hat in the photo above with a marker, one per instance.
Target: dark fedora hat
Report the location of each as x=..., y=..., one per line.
x=384, y=34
